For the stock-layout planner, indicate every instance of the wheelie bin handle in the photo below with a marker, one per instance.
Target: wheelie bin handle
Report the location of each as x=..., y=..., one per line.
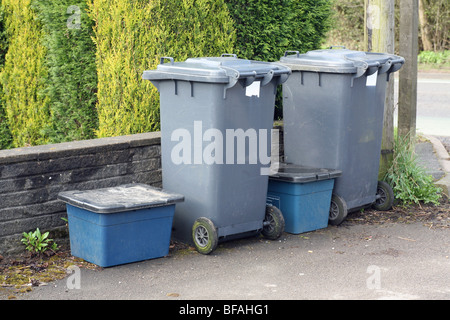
x=233, y=76
x=292, y=51
x=385, y=67
x=361, y=69
x=334, y=47
x=392, y=65
x=169, y=58
x=396, y=63
x=231, y=55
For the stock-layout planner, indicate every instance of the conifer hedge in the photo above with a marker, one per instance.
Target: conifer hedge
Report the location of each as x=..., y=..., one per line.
x=71, y=84
x=5, y=133
x=267, y=28
x=73, y=68
x=23, y=75
x=131, y=36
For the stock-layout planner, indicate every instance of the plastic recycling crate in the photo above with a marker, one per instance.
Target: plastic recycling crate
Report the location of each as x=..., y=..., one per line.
x=118, y=225
x=303, y=194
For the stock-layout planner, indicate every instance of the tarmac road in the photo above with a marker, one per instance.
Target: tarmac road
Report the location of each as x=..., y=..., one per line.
x=352, y=261
x=433, y=103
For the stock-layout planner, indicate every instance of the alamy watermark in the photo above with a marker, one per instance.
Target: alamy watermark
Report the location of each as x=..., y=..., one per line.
x=74, y=280
x=373, y=282
x=228, y=147
x=74, y=21
x=374, y=16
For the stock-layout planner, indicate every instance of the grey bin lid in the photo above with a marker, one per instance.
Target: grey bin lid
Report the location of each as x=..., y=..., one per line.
x=342, y=61
x=225, y=69
x=302, y=174
x=118, y=199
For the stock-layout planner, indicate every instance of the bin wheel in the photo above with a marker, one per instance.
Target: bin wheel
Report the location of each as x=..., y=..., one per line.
x=204, y=234
x=273, y=225
x=384, y=197
x=338, y=210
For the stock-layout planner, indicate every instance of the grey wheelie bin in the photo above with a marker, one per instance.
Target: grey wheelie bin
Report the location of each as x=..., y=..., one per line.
x=216, y=118
x=333, y=106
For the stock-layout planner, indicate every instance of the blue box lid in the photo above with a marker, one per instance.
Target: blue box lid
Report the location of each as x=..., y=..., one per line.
x=301, y=174
x=121, y=198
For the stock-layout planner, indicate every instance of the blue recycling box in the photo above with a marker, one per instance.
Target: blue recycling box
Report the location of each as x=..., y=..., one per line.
x=124, y=224
x=303, y=194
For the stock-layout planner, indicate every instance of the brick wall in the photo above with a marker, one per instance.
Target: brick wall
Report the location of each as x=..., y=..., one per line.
x=31, y=178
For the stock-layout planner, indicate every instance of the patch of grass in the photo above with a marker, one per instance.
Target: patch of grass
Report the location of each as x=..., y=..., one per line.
x=434, y=60
x=431, y=57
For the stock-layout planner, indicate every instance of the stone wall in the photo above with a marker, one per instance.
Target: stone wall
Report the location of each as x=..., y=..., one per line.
x=32, y=177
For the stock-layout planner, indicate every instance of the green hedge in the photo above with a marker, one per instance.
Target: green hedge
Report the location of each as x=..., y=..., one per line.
x=5, y=133
x=23, y=75
x=71, y=85
x=62, y=82
x=49, y=77
x=267, y=28
x=131, y=36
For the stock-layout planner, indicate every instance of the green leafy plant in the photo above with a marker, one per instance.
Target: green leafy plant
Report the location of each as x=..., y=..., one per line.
x=409, y=181
x=438, y=58
x=38, y=242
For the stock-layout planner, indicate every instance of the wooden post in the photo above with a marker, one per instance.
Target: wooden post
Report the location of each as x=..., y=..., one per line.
x=379, y=36
x=409, y=47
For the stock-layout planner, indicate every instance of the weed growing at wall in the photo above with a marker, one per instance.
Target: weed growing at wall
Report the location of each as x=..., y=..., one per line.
x=409, y=181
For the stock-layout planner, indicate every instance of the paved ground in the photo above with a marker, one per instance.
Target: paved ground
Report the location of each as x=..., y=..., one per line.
x=433, y=103
x=389, y=261
x=427, y=158
x=445, y=140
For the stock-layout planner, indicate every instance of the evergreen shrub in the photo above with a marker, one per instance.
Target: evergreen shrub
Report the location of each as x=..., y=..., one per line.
x=24, y=74
x=71, y=84
x=131, y=36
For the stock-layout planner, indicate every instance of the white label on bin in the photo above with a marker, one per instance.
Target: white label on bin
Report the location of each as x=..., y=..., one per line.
x=372, y=80
x=253, y=89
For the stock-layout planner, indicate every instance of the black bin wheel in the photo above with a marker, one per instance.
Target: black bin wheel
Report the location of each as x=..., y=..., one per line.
x=338, y=210
x=384, y=197
x=273, y=225
x=204, y=234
